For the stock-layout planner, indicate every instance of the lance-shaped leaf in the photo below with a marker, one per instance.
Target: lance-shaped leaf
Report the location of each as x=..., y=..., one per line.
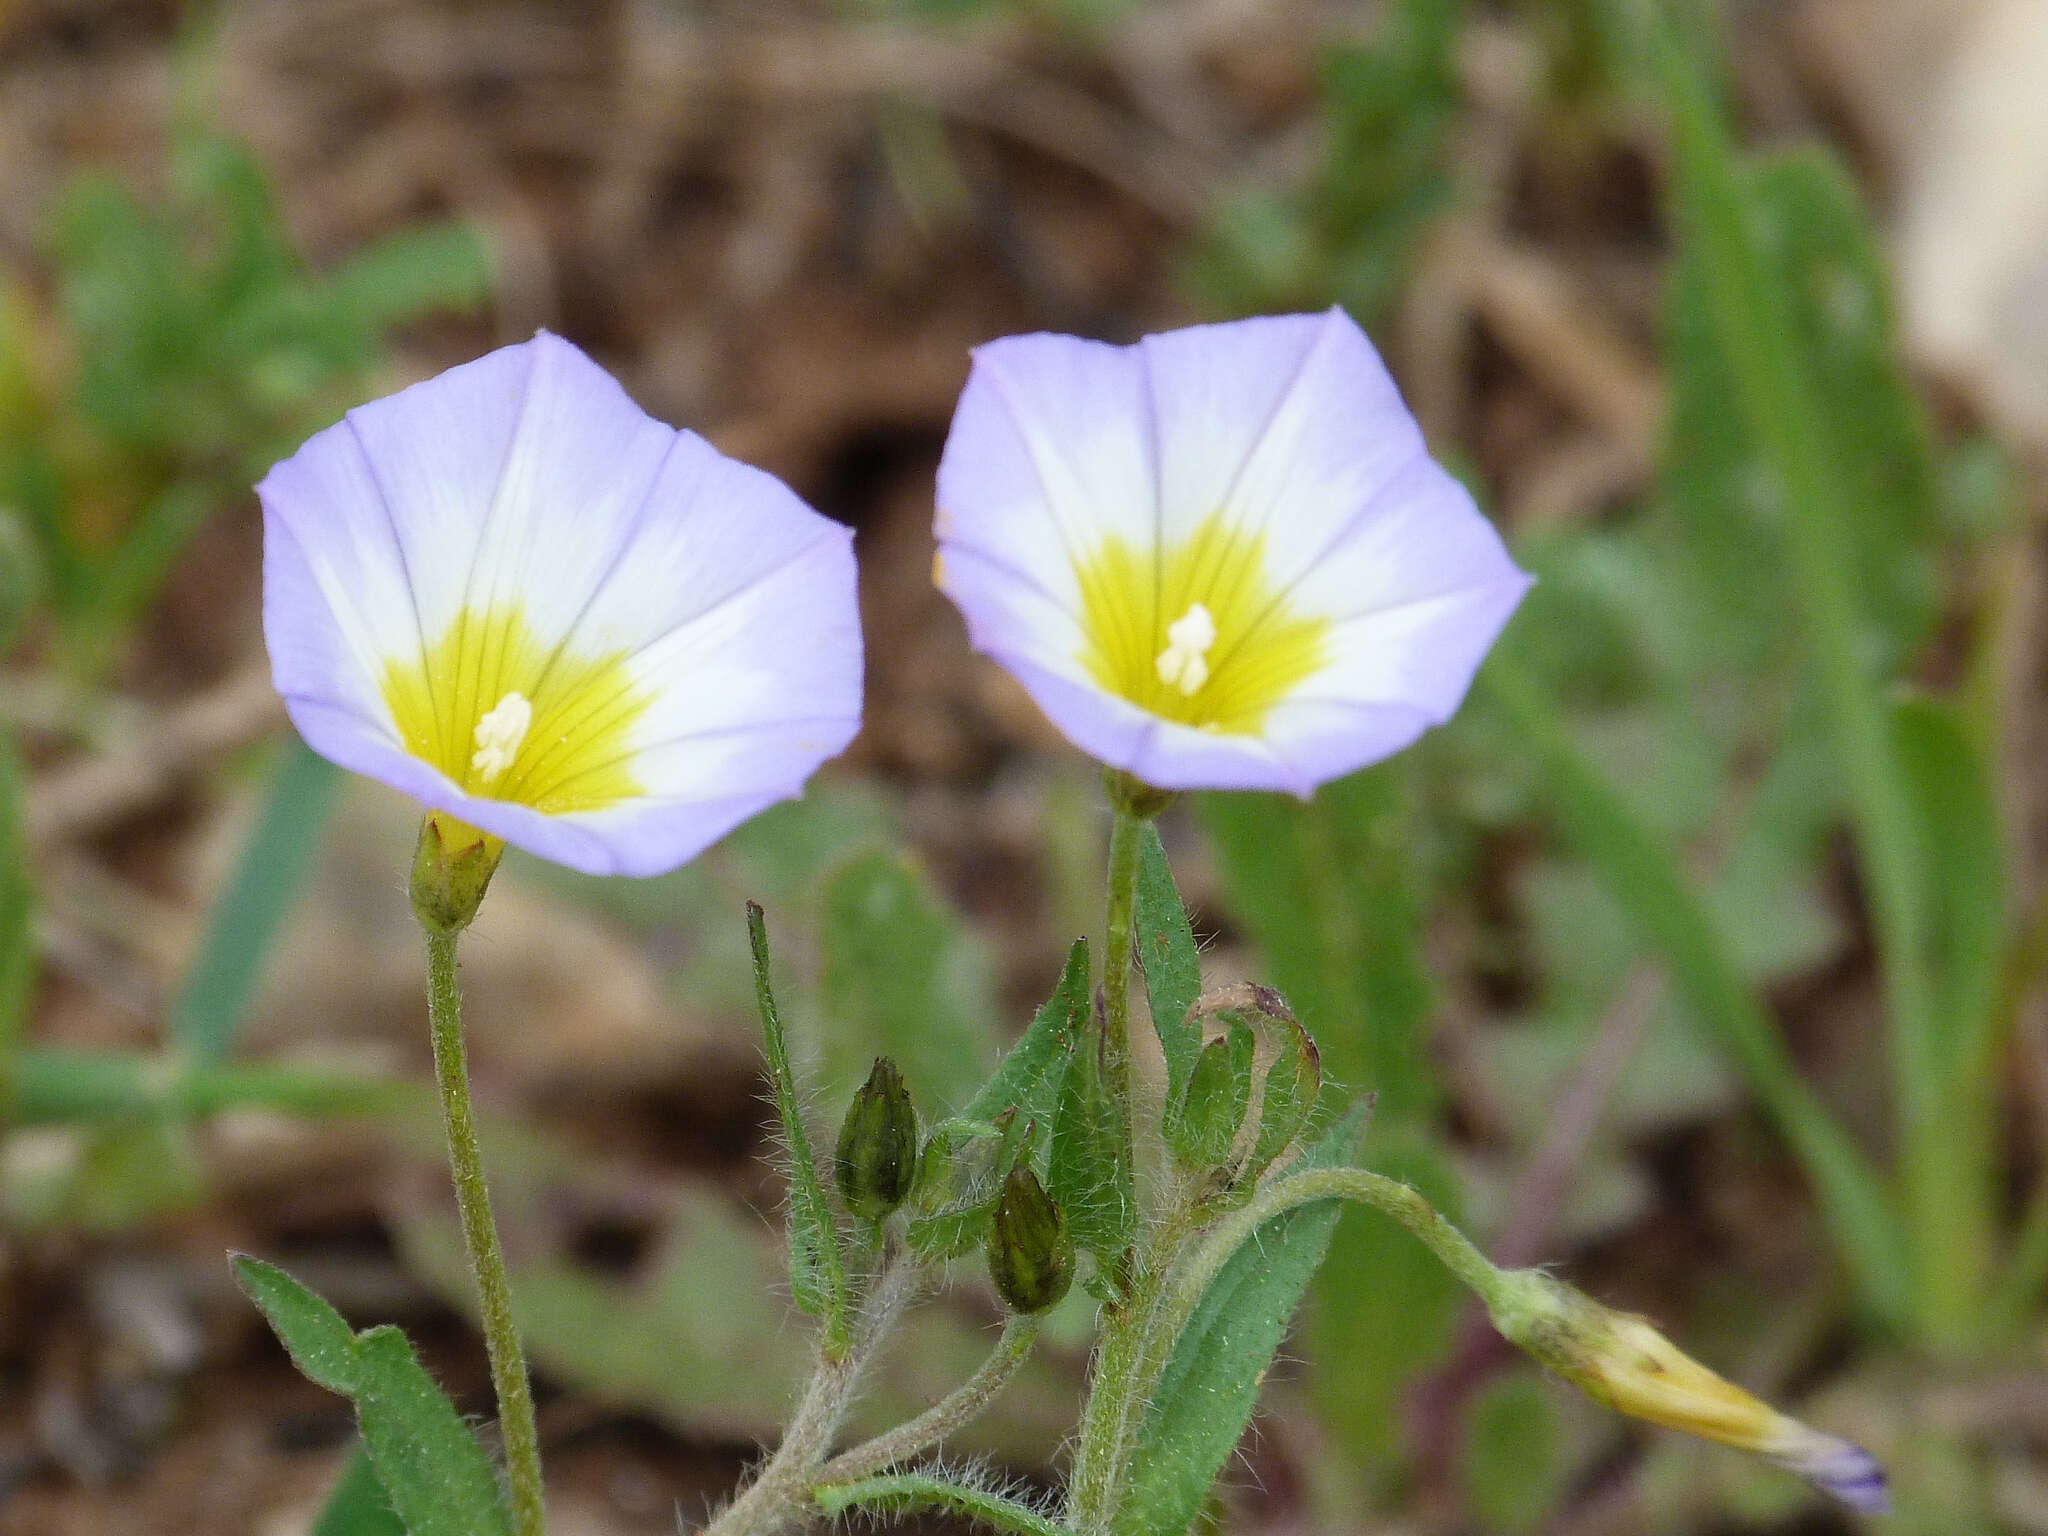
x=437, y=1477
x=1088, y=1168
x=1205, y=1396
x=1029, y=1078
x=817, y=1274
x=1173, y=973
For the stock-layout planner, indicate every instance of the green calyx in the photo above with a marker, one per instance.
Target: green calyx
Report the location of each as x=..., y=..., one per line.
x=1030, y=1254
x=451, y=869
x=877, y=1154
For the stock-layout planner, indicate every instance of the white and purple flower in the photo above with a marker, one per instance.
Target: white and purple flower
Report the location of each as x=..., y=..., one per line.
x=515, y=596
x=1222, y=558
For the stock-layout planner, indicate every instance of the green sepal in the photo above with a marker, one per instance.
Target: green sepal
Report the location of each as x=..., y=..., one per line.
x=1286, y=1100
x=437, y=1477
x=877, y=1155
x=1219, y=1091
x=959, y=1180
x=1166, y=950
x=1030, y=1251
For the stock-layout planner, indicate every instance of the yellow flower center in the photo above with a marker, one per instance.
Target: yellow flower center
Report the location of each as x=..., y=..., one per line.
x=1195, y=633
x=508, y=718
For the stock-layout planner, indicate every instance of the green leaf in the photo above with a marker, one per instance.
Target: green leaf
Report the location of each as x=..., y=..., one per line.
x=1205, y=1396
x=1645, y=878
x=247, y=917
x=438, y=1478
x=1088, y=1168
x=1166, y=950
x=817, y=1275
x=318, y=1338
x=1961, y=855
x=1030, y=1077
x=1512, y=1459
x=903, y=1493
x=17, y=920
x=56, y=1085
x=902, y=977
x=414, y=272
x=358, y=1506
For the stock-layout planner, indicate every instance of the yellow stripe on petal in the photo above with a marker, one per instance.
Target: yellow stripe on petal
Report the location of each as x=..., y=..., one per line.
x=1195, y=634
x=509, y=718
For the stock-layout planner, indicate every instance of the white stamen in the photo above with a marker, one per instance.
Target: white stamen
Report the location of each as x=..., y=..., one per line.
x=498, y=735
x=1184, y=663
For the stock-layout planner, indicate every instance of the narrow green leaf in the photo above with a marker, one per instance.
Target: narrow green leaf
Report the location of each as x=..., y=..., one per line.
x=17, y=921
x=316, y=1336
x=1031, y=1074
x=902, y=977
x=1166, y=950
x=247, y=917
x=905, y=1493
x=817, y=1275
x=1646, y=879
x=1962, y=854
x=358, y=1506
x=55, y=1085
x=414, y=272
x=436, y=1475
x=1088, y=1168
x=1206, y=1394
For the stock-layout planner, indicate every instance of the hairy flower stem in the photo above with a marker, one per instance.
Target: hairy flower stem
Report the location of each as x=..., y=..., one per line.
x=964, y=1403
x=780, y=1496
x=480, y=1238
x=1118, y=961
x=1138, y=1344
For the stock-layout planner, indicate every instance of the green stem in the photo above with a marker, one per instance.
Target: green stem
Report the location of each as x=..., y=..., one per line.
x=912, y=1492
x=779, y=1497
x=480, y=1237
x=1126, y=838
x=1120, y=1386
x=965, y=1402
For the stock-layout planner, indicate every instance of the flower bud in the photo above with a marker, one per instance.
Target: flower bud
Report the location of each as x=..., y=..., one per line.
x=1030, y=1255
x=877, y=1160
x=451, y=869
x=1622, y=1361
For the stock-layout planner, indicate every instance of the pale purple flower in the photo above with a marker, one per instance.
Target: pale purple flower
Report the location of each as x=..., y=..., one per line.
x=515, y=596
x=1222, y=558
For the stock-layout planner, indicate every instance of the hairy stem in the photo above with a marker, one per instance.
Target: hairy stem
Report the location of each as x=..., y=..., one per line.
x=480, y=1238
x=964, y=1403
x=780, y=1496
x=1126, y=838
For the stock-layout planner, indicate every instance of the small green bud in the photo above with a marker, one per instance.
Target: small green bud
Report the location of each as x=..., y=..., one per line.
x=1030, y=1256
x=877, y=1160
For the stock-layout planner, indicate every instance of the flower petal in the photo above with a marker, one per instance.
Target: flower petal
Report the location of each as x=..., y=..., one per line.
x=1287, y=424
x=1045, y=458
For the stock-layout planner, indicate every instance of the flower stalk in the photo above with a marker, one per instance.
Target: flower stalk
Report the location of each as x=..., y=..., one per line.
x=480, y=1239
